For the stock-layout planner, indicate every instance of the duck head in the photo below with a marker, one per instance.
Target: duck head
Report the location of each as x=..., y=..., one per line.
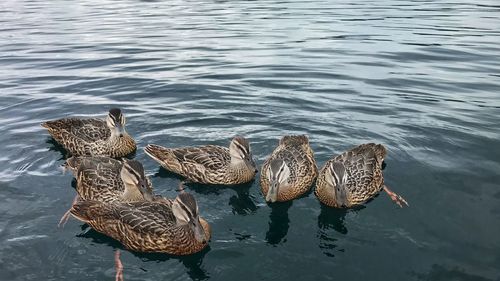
x=116, y=122
x=186, y=213
x=278, y=174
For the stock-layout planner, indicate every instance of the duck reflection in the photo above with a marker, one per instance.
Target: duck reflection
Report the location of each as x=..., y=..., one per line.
x=193, y=263
x=331, y=218
x=164, y=173
x=55, y=146
x=242, y=202
x=278, y=223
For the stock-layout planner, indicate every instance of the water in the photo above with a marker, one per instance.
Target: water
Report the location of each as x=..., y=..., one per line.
x=421, y=77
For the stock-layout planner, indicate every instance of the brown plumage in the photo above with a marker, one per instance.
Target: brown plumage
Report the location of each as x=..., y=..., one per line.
x=353, y=177
x=93, y=136
x=172, y=227
x=106, y=179
x=290, y=170
x=209, y=164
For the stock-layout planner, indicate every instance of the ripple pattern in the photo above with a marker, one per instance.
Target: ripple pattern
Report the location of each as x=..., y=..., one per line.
x=420, y=76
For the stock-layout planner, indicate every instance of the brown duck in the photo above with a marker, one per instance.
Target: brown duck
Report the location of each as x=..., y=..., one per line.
x=166, y=226
x=290, y=170
x=354, y=177
x=93, y=136
x=106, y=179
x=210, y=164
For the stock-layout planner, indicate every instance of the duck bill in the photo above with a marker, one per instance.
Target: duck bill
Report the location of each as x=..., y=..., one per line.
x=199, y=232
x=272, y=193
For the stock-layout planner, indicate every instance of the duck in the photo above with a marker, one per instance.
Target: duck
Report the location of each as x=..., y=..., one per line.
x=93, y=137
x=208, y=164
x=106, y=179
x=289, y=171
x=353, y=177
x=173, y=227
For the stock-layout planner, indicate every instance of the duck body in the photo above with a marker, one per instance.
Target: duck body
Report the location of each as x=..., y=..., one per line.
x=209, y=164
x=93, y=137
x=106, y=179
x=291, y=168
x=147, y=226
x=352, y=177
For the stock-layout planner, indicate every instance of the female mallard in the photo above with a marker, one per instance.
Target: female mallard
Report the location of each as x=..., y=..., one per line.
x=209, y=164
x=353, y=177
x=149, y=226
x=93, y=136
x=106, y=179
x=290, y=170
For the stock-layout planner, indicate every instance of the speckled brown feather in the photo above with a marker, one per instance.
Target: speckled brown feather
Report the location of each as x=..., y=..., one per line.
x=98, y=178
x=364, y=179
x=141, y=226
x=88, y=137
x=299, y=157
x=202, y=164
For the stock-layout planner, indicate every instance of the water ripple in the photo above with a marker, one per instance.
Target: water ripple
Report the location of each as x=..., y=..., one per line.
x=420, y=77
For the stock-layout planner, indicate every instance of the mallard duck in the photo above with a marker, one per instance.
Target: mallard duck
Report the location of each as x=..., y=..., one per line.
x=106, y=179
x=172, y=227
x=290, y=170
x=208, y=164
x=354, y=177
x=93, y=136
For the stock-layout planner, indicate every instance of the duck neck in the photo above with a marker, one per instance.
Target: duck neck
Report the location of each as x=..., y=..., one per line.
x=124, y=141
x=239, y=167
x=131, y=193
x=237, y=163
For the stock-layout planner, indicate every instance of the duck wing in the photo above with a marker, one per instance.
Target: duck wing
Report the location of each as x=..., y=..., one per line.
x=91, y=130
x=99, y=178
x=147, y=217
x=88, y=130
x=140, y=217
x=361, y=168
x=210, y=157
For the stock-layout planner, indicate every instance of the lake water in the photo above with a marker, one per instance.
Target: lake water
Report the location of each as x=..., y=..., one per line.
x=421, y=77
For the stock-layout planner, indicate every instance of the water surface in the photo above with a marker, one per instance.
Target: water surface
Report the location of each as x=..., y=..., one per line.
x=421, y=77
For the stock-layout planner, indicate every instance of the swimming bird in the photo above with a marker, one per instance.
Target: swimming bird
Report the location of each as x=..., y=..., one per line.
x=354, y=177
x=209, y=164
x=173, y=227
x=106, y=179
x=93, y=136
x=290, y=170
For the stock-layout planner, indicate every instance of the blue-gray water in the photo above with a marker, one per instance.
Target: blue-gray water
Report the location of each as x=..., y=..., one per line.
x=421, y=77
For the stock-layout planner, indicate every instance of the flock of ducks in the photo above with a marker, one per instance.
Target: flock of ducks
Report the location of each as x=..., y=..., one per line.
x=116, y=198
